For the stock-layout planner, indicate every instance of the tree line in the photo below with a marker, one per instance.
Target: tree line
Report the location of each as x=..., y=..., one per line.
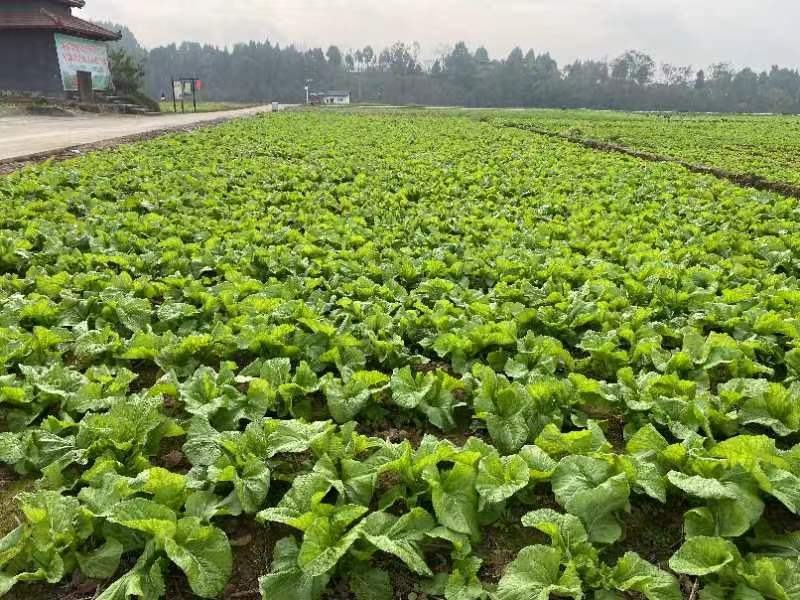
x=264, y=72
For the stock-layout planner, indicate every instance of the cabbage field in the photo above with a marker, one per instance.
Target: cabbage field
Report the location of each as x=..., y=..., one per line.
x=395, y=355
x=756, y=146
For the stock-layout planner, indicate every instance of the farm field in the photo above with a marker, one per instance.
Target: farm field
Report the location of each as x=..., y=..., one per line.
x=395, y=355
x=766, y=146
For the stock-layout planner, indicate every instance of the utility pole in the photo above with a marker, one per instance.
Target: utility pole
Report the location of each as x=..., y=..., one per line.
x=308, y=83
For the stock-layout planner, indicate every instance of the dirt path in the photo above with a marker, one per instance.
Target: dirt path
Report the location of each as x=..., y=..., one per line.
x=24, y=135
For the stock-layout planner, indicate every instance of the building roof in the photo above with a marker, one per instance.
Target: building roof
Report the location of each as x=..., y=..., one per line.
x=45, y=20
x=331, y=93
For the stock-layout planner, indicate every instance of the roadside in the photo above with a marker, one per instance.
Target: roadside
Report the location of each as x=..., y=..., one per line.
x=29, y=138
x=7, y=110
x=203, y=107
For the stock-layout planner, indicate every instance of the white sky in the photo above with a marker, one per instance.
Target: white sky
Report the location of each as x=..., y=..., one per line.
x=697, y=32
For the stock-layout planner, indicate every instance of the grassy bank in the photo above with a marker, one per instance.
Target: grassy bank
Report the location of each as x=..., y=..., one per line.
x=204, y=107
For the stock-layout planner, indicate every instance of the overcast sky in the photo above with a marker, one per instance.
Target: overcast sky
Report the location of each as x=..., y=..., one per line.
x=698, y=32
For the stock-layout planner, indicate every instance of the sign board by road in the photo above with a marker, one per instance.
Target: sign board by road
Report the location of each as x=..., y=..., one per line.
x=185, y=87
x=77, y=54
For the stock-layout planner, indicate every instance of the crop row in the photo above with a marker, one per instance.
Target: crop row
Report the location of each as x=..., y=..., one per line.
x=562, y=336
x=765, y=146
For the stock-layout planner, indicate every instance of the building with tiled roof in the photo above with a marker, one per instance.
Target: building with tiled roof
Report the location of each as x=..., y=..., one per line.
x=43, y=46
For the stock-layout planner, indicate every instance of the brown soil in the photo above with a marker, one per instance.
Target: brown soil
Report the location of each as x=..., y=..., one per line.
x=10, y=486
x=433, y=366
x=147, y=375
x=171, y=457
x=613, y=425
x=654, y=530
x=7, y=476
x=500, y=546
x=396, y=436
x=252, y=545
x=780, y=518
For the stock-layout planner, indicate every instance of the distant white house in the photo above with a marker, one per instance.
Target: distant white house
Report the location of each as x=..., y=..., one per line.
x=332, y=97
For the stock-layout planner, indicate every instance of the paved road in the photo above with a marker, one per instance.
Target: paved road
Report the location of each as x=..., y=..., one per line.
x=22, y=135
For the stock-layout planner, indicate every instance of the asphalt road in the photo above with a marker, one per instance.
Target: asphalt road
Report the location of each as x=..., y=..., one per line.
x=21, y=135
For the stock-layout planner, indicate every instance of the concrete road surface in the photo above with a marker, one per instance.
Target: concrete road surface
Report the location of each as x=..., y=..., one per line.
x=22, y=135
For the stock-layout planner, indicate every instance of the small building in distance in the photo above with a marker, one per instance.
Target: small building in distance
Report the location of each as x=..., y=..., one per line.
x=43, y=48
x=337, y=98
